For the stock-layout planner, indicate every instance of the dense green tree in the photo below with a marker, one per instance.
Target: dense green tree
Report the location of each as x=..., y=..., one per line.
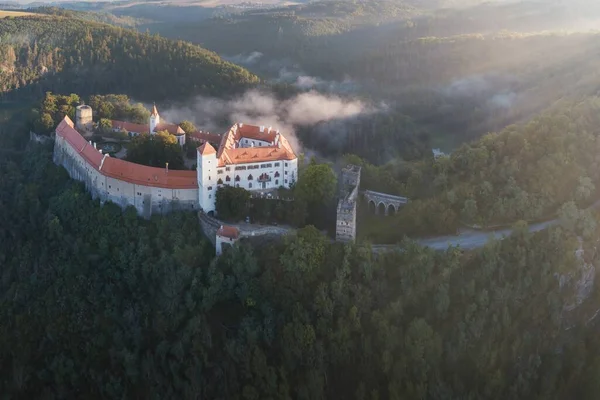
x=232, y=203
x=187, y=126
x=156, y=151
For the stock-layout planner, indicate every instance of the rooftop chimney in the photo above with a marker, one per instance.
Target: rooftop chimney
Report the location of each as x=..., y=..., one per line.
x=167, y=168
x=262, y=128
x=94, y=145
x=241, y=124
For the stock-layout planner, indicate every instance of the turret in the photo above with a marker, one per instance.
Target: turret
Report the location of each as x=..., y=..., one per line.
x=154, y=119
x=207, y=177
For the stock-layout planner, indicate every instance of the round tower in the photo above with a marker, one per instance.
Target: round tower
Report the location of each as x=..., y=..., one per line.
x=83, y=118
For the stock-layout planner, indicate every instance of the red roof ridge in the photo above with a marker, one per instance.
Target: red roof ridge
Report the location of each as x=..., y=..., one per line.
x=228, y=231
x=206, y=149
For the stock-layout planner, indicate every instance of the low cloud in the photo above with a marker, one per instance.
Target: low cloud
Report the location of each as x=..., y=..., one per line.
x=262, y=108
x=244, y=59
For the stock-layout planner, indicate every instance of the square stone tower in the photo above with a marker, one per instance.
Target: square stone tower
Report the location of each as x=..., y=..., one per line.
x=346, y=210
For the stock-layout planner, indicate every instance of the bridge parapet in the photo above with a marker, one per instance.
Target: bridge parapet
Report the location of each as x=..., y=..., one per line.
x=384, y=203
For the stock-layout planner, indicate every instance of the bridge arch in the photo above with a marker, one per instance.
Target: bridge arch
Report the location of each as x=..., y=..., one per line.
x=383, y=203
x=372, y=207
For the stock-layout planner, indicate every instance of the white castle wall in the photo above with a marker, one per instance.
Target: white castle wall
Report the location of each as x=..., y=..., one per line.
x=147, y=200
x=209, y=175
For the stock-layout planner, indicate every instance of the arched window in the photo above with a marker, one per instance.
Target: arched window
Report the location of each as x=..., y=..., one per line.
x=220, y=181
x=228, y=179
x=237, y=178
x=250, y=185
x=276, y=174
x=250, y=177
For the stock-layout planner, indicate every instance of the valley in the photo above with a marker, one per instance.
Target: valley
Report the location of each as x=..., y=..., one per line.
x=102, y=299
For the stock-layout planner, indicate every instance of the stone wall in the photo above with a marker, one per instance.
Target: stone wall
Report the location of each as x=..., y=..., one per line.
x=147, y=200
x=209, y=226
x=346, y=209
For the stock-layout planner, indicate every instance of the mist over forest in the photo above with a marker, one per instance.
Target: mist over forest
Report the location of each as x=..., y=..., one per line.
x=484, y=114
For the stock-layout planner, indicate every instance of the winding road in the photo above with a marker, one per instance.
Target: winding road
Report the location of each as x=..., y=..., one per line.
x=467, y=239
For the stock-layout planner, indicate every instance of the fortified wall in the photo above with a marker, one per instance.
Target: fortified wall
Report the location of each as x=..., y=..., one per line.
x=150, y=190
x=346, y=210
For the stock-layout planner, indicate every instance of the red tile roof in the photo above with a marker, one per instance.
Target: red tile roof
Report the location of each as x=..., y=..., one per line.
x=230, y=153
x=227, y=231
x=88, y=152
x=205, y=137
x=173, y=129
x=130, y=127
x=253, y=132
x=206, y=149
x=125, y=170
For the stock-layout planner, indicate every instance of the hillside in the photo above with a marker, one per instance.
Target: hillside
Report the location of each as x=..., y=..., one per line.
x=53, y=53
x=99, y=302
x=458, y=72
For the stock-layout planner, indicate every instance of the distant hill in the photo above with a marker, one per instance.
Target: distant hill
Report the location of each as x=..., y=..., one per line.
x=57, y=53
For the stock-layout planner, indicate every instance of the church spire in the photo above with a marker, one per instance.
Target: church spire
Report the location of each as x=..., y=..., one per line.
x=154, y=119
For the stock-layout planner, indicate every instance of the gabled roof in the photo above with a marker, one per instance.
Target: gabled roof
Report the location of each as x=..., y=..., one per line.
x=206, y=137
x=227, y=231
x=230, y=153
x=173, y=129
x=125, y=170
x=130, y=127
x=206, y=149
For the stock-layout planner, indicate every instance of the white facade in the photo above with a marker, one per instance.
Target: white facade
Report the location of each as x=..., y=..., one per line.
x=147, y=200
x=259, y=176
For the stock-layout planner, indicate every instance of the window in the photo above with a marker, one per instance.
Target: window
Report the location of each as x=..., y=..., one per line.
x=286, y=164
x=277, y=181
x=237, y=178
x=286, y=181
x=240, y=168
x=227, y=169
x=209, y=177
x=228, y=179
x=250, y=185
x=219, y=171
x=237, y=185
x=250, y=177
x=210, y=196
x=210, y=188
x=220, y=182
x=276, y=174
x=285, y=172
x=277, y=164
x=110, y=186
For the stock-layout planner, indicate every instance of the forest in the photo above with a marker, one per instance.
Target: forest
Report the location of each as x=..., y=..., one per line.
x=524, y=172
x=59, y=54
x=98, y=303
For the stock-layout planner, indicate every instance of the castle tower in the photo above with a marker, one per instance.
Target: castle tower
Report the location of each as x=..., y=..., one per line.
x=207, y=177
x=83, y=118
x=154, y=119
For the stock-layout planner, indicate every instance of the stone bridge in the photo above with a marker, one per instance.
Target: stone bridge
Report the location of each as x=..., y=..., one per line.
x=383, y=203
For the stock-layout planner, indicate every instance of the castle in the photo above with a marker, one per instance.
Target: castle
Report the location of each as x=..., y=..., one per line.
x=255, y=158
